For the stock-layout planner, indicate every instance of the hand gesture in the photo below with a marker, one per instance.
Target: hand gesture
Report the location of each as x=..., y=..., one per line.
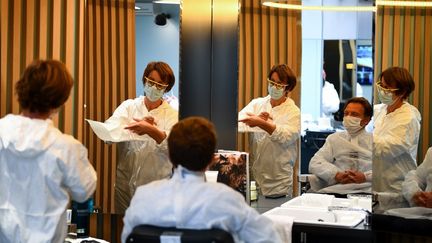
x=141, y=127
x=423, y=199
x=350, y=176
x=253, y=120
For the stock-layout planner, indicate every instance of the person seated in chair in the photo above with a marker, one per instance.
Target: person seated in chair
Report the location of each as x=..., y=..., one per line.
x=417, y=187
x=187, y=201
x=346, y=157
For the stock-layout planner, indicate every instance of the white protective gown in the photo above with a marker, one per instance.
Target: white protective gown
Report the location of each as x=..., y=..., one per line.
x=395, y=140
x=273, y=156
x=329, y=100
x=419, y=180
x=341, y=152
x=40, y=169
x=140, y=162
x=187, y=201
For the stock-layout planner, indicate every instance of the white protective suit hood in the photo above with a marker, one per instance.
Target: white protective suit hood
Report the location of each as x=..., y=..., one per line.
x=19, y=136
x=41, y=169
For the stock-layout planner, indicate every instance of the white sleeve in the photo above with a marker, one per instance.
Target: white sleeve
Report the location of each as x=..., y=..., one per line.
x=288, y=132
x=249, y=108
x=249, y=225
x=80, y=175
x=121, y=113
x=416, y=180
x=399, y=140
x=330, y=98
x=321, y=163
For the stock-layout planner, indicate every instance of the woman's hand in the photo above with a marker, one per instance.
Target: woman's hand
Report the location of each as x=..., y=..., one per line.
x=423, y=199
x=263, y=121
x=141, y=127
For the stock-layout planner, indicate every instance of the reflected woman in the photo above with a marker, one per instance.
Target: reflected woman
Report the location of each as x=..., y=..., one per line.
x=141, y=162
x=396, y=134
x=277, y=122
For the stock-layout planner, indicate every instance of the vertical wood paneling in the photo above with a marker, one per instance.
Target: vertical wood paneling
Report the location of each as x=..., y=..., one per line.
x=78, y=68
x=16, y=47
x=4, y=57
x=30, y=32
x=67, y=28
x=96, y=42
x=43, y=29
x=407, y=43
x=110, y=79
x=268, y=36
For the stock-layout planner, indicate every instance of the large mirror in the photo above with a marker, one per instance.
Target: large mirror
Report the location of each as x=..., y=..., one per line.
x=337, y=65
x=336, y=59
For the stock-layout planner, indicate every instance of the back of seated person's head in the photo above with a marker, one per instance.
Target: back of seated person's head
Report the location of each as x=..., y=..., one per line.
x=191, y=143
x=44, y=85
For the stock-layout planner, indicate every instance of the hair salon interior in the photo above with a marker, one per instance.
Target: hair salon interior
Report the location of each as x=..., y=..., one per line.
x=224, y=54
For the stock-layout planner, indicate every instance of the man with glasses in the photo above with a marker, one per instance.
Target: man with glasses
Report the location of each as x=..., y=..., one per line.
x=276, y=122
x=140, y=162
x=395, y=136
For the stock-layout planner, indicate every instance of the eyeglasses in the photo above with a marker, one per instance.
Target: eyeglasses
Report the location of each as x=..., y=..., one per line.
x=158, y=86
x=276, y=84
x=385, y=90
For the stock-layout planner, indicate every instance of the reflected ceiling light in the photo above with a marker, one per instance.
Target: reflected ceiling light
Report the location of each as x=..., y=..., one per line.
x=348, y=8
x=167, y=1
x=137, y=8
x=404, y=3
x=319, y=8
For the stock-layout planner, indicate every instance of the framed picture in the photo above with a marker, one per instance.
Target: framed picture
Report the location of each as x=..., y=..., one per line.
x=233, y=170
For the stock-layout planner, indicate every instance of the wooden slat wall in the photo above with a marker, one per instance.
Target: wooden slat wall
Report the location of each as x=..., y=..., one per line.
x=42, y=29
x=404, y=38
x=110, y=79
x=268, y=36
x=96, y=42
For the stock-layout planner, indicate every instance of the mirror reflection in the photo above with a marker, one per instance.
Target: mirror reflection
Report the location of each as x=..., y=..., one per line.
x=337, y=75
x=396, y=137
x=274, y=123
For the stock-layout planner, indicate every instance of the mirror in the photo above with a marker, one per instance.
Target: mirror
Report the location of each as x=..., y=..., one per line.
x=157, y=38
x=157, y=55
x=337, y=65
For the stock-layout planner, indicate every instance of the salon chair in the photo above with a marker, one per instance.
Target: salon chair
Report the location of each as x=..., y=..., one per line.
x=156, y=234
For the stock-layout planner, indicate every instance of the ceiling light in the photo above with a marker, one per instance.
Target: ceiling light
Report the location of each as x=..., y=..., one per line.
x=167, y=1
x=404, y=3
x=320, y=8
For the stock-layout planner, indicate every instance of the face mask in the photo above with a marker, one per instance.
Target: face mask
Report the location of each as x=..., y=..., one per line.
x=386, y=98
x=352, y=124
x=274, y=92
x=152, y=93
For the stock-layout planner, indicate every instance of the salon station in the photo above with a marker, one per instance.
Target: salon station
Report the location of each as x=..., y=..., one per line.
x=316, y=112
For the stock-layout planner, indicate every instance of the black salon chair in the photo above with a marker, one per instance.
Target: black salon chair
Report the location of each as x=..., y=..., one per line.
x=155, y=234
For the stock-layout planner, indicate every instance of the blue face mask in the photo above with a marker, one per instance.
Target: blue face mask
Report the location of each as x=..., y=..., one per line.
x=152, y=93
x=386, y=98
x=274, y=92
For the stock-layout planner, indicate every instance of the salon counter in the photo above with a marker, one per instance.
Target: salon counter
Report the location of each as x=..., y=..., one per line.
x=384, y=228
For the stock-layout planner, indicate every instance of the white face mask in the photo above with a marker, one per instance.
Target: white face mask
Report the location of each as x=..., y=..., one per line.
x=352, y=124
x=152, y=93
x=274, y=92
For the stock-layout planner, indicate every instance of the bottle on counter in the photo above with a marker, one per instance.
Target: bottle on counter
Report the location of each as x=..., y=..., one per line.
x=253, y=191
x=81, y=217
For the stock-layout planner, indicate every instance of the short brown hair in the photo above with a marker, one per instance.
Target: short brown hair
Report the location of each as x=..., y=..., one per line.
x=285, y=74
x=399, y=78
x=191, y=143
x=164, y=70
x=368, y=110
x=44, y=85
